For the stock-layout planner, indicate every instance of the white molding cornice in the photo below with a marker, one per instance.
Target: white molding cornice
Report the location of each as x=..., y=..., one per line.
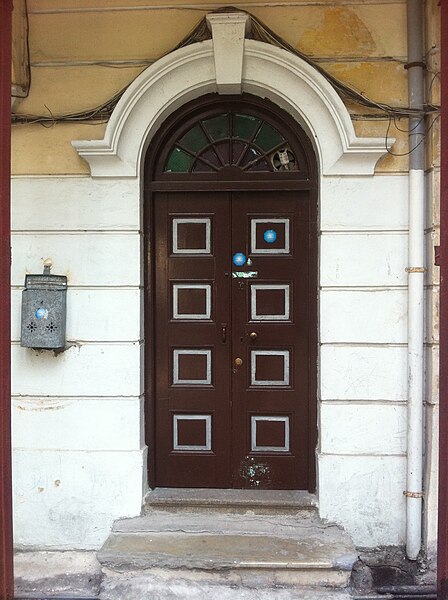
x=268, y=72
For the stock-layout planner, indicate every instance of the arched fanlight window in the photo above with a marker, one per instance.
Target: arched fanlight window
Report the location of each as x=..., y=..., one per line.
x=232, y=139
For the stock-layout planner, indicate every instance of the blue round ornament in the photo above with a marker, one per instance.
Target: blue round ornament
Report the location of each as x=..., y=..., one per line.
x=41, y=313
x=270, y=236
x=239, y=259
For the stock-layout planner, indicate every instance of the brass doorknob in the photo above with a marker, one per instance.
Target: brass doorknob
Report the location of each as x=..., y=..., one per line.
x=253, y=336
x=238, y=362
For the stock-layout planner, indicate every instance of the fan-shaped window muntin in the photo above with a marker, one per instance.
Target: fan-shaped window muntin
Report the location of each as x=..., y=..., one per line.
x=232, y=139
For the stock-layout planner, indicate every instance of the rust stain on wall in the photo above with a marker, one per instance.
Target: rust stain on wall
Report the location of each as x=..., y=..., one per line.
x=341, y=32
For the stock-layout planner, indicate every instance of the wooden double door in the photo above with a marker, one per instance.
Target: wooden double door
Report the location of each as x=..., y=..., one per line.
x=234, y=325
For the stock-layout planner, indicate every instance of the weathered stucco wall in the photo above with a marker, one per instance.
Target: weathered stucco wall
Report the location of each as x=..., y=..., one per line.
x=85, y=52
x=78, y=417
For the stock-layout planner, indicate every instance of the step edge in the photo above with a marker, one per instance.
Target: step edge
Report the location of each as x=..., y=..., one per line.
x=312, y=578
x=152, y=560
x=162, y=505
x=283, y=532
x=155, y=497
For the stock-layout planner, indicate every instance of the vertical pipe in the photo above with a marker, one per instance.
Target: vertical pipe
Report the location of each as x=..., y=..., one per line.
x=416, y=292
x=6, y=557
x=442, y=537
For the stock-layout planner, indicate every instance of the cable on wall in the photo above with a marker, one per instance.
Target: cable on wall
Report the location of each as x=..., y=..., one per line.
x=259, y=32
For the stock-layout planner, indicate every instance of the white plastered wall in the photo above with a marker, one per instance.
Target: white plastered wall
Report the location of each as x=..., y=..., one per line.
x=78, y=417
x=79, y=459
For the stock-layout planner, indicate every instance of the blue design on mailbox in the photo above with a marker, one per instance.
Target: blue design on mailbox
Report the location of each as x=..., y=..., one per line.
x=239, y=259
x=270, y=236
x=41, y=313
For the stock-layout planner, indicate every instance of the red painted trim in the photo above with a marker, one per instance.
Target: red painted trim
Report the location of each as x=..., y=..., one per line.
x=6, y=556
x=442, y=566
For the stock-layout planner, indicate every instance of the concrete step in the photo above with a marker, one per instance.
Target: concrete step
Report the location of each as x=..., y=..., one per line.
x=245, y=550
x=230, y=500
x=134, y=586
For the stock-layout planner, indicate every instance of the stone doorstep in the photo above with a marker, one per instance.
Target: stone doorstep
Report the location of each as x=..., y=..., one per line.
x=223, y=562
x=177, y=552
x=232, y=548
x=230, y=500
x=135, y=586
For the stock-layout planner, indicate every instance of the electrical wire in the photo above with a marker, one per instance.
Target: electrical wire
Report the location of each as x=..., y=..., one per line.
x=349, y=92
x=99, y=114
x=405, y=130
x=259, y=32
x=416, y=145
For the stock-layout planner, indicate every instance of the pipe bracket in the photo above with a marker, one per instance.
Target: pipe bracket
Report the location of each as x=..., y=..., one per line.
x=416, y=269
x=413, y=494
x=416, y=63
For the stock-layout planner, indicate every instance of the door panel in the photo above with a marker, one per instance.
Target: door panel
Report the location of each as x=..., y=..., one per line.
x=192, y=313
x=232, y=341
x=270, y=332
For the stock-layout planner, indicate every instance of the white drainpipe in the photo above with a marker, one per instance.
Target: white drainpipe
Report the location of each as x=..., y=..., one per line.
x=416, y=291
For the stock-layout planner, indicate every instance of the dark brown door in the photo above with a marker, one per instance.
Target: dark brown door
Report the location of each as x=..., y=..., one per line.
x=232, y=339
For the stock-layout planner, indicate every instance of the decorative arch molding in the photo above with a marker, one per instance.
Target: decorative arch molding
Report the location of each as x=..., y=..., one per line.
x=267, y=71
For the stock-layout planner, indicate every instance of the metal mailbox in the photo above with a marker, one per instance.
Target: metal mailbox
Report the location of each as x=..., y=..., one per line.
x=44, y=303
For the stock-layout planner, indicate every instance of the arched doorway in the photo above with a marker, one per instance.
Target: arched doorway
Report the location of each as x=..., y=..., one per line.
x=231, y=286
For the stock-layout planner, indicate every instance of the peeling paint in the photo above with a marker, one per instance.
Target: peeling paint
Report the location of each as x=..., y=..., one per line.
x=257, y=474
x=41, y=404
x=341, y=31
